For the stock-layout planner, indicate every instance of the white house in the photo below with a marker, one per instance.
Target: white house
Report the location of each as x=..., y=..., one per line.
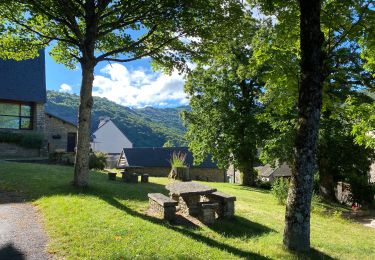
x=108, y=138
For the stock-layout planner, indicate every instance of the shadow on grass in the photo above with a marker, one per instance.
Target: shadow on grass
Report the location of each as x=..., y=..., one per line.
x=313, y=254
x=239, y=227
x=184, y=231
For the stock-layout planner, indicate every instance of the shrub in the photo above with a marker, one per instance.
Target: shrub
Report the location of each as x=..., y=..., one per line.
x=27, y=140
x=178, y=160
x=266, y=185
x=280, y=188
x=97, y=160
x=361, y=190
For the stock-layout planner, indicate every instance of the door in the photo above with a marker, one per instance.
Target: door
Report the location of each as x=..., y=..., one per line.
x=72, y=139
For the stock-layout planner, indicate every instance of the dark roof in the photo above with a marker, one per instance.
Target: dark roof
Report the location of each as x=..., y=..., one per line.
x=62, y=119
x=160, y=157
x=280, y=171
x=23, y=80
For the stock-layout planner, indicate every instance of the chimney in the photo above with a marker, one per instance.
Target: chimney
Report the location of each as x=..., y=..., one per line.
x=103, y=120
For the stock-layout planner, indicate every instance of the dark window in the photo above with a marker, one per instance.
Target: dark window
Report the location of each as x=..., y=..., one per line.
x=15, y=116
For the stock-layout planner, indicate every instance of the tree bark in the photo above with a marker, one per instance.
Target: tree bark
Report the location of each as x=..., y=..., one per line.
x=248, y=177
x=326, y=186
x=297, y=216
x=81, y=168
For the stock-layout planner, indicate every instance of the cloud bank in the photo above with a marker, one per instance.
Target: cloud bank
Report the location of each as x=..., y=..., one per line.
x=139, y=88
x=65, y=88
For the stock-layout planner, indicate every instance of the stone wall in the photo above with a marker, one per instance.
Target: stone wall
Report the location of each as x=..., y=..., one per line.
x=57, y=133
x=13, y=151
x=372, y=173
x=201, y=174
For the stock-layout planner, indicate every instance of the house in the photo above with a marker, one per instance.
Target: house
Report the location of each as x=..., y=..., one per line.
x=269, y=174
x=22, y=98
x=156, y=162
x=61, y=134
x=22, y=109
x=108, y=138
x=266, y=173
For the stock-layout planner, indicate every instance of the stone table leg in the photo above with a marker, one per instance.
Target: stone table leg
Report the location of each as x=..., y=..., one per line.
x=190, y=204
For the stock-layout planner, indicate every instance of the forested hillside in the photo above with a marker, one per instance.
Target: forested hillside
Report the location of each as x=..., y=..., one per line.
x=145, y=127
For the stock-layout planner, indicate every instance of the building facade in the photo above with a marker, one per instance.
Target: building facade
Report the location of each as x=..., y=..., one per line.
x=156, y=162
x=61, y=134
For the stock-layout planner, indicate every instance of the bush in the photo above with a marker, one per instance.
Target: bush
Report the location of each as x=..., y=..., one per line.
x=27, y=140
x=178, y=160
x=280, y=188
x=266, y=185
x=361, y=190
x=97, y=160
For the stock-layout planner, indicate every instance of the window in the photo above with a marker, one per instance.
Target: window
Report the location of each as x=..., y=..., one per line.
x=15, y=116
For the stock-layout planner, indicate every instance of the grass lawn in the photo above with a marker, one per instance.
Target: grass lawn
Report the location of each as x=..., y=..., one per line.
x=108, y=221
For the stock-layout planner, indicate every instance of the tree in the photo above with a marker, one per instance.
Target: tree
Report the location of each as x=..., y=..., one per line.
x=224, y=94
x=93, y=31
x=168, y=143
x=341, y=23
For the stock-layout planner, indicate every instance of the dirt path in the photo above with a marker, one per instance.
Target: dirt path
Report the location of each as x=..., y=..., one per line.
x=21, y=233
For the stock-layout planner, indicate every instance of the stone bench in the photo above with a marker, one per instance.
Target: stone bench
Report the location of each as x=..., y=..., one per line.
x=144, y=178
x=163, y=205
x=129, y=177
x=226, y=203
x=207, y=212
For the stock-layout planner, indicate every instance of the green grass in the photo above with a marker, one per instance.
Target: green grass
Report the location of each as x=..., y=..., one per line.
x=108, y=221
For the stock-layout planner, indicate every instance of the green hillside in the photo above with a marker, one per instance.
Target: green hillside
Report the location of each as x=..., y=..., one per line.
x=145, y=127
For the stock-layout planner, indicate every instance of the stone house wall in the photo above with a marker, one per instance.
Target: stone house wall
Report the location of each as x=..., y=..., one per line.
x=57, y=133
x=199, y=174
x=372, y=173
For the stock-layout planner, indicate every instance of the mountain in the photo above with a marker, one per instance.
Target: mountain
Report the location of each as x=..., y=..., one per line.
x=145, y=127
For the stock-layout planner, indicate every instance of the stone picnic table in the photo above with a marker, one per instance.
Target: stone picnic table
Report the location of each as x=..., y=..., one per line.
x=189, y=195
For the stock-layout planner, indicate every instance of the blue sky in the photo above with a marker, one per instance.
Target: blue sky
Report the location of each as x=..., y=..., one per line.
x=132, y=84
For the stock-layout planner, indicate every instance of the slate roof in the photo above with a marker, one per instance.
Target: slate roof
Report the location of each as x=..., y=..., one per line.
x=23, y=80
x=280, y=171
x=160, y=157
x=62, y=119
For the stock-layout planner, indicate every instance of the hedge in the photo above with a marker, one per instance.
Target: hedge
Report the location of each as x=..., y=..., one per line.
x=27, y=140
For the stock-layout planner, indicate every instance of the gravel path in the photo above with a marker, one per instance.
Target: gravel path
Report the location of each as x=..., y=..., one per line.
x=21, y=233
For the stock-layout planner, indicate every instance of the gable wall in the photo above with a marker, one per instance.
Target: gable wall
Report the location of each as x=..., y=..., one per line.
x=109, y=139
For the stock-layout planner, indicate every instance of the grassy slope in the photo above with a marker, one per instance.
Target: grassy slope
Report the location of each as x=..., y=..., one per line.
x=108, y=221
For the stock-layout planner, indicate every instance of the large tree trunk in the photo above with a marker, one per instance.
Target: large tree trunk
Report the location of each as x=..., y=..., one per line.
x=81, y=169
x=326, y=186
x=297, y=216
x=248, y=176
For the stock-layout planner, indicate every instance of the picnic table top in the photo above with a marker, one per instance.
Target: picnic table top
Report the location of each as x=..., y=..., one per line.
x=189, y=188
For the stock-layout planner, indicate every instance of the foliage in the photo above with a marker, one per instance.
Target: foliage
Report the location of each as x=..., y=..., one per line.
x=224, y=91
x=347, y=109
x=168, y=143
x=279, y=190
x=98, y=160
x=27, y=140
x=264, y=185
x=178, y=160
x=145, y=127
x=361, y=190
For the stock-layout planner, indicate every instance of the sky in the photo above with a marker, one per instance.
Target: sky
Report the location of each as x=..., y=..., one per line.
x=132, y=84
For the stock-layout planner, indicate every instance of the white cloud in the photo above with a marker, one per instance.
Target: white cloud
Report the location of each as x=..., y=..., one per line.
x=65, y=88
x=139, y=88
